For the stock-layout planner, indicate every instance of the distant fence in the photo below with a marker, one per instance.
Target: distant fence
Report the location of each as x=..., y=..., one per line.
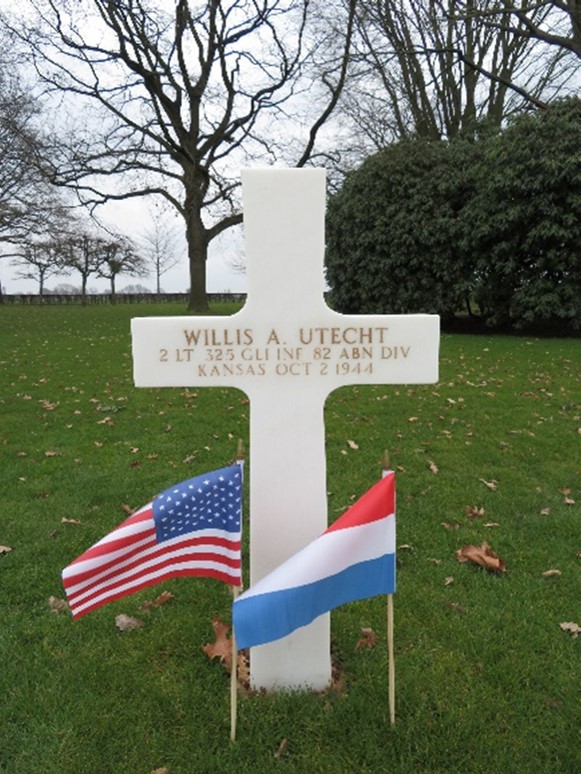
x=120, y=298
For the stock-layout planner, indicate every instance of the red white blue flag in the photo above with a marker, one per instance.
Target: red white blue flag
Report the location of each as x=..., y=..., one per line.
x=193, y=528
x=353, y=559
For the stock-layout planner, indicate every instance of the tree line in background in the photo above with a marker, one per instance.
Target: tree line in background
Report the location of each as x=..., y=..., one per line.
x=107, y=100
x=488, y=225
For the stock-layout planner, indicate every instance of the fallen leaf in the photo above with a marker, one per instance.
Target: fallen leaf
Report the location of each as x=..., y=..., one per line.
x=105, y=421
x=435, y=561
x=162, y=599
x=550, y=573
x=448, y=581
x=352, y=445
x=163, y=770
x=566, y=490
x=568, y=501
x=413, y=419
x=482, y=555
x=574, y=628
x=433, y=467
x=368, y=639
x=473, y=512
x=281, y=749
x=134, y=449
x=490, y=484
x=64, y=520
x=52, y=454
x=243, y=670
x=222, y=646
x=127, y=508
x=545, y=511
x=447, y=525
x=125, y=622
x=57, y=605
x=492, y=524
x=457, y=608
x=4, y=549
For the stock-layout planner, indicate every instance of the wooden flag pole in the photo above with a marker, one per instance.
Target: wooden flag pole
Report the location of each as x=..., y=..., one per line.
x=390, y=648
x=234, y=678
x=234, y=667
x=391, y=659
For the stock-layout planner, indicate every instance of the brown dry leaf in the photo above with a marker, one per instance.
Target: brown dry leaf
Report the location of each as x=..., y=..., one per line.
x=47, y=405
x=4, y=549
x=447, y=525
x=482, y=555
x=162, y=599
x=568, y=501
x=448, y=581
x=64, y=520
x=52, y=454
x=134, y=449
x=550, y=573
x=435, y=561
x=105, y=421
x=352, y=445
x=569, y=626
x=57, y=605
x=413, y=419
x=222, y=646
x=566, y=490
x=545, y=512
x=457, y=607
x=163, y=770
x=243, y=670
x=473, y=512
x=493, y=485
x=368, y=638
x=126, y=622
x=433, y=467
x=492, y=524
x=127, y=508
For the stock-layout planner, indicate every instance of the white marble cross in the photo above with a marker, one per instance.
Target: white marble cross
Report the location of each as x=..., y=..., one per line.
x=287, y=350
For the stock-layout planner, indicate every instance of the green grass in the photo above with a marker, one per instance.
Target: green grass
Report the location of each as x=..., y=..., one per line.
x=486, y=679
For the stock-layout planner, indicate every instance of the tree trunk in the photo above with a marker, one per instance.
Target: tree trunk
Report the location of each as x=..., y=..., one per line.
x=197, y=239
x=113, y=299
x=83, y=290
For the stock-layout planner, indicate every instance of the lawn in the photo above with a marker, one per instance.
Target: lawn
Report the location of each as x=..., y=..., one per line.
x=486, y=677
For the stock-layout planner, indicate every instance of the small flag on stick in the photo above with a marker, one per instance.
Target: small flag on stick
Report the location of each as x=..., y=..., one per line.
x=193, y=528
x=353, y=559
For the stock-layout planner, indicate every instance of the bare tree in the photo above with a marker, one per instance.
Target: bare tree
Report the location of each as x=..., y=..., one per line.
x=437, y=69
x=119, y=256
x=83, y=252
x=185, y=97
x=556, y=22
x=26, y=198
x=159, y=245
x=38, y=260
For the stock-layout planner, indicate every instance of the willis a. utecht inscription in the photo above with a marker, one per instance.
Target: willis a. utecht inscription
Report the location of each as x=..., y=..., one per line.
x=287, y=350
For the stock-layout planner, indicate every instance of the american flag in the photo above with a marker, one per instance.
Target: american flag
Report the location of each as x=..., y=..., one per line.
x=193, y=528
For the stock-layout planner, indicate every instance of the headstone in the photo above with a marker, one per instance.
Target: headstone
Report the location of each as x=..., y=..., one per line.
x=287, y=351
